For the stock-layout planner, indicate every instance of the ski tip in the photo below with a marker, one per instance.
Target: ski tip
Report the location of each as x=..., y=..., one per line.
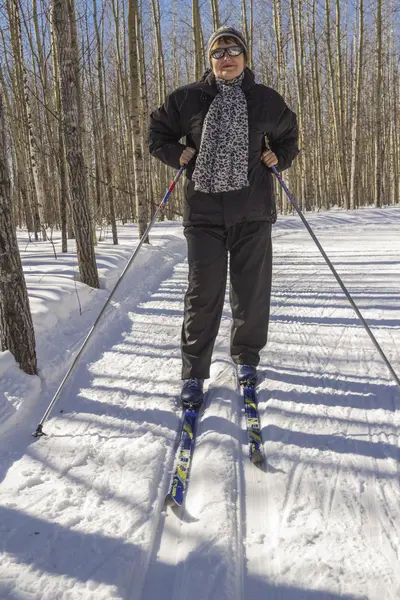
x=179, y=510
x=170, y=501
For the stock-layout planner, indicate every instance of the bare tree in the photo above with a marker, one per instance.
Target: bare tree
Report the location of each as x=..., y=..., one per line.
x=23, y=95
x=215, y=14
x=16, y=327
x=60, y=148
x=19, y=165
x=247, y=24
x=356, y=117
x=197, y=40
x=106, y=142
x=297, y=44
x=123, y=108
x=378, y=106
x=63, y=14
x=341, y=110
x=134, y=38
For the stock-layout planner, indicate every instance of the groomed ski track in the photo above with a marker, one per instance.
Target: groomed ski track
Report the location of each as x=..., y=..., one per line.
x=83, y=514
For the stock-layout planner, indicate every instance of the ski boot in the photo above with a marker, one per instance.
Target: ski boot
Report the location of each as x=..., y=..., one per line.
x=192, y=393
x=247, y=375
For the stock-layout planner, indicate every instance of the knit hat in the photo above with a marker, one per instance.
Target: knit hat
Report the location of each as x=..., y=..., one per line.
x=227, y=32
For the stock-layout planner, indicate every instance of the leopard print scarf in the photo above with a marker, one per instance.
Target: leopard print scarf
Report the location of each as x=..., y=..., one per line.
x=222, y=162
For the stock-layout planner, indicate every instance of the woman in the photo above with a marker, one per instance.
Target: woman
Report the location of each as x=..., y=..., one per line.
x=229, y=202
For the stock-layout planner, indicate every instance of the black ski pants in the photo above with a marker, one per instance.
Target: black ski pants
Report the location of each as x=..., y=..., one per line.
x=250, y=265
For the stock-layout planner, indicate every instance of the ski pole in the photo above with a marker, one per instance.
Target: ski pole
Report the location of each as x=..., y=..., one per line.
x=39, y=430
x=336, y=275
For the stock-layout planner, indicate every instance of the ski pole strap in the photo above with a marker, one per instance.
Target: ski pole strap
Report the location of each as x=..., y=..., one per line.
x=336, y=275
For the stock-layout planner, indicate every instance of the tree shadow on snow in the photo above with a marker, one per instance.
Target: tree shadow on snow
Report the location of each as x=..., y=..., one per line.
x=333, y=443
x=51, y=548
x=208, y=573
x=315, y=388
x=258, y=589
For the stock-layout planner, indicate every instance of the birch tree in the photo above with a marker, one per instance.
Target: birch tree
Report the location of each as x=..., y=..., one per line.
x=60, y=148
x=215, y=14
x=63, y=14
x=341, y=110
x=378, y=107
x=23, y=95
x=297, y=43
x=134, y=66
x=247, y=25
x=106, y=140
x=356, y=117
x=197, y=41
x=16, y=327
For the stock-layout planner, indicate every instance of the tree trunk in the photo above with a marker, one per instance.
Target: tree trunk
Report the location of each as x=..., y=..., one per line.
x=247, y=21
x=106, y=140
x=67, y=57
x=16, y=327
x=215, y=14
x=297, y=52
x=318, y=115
x=245, y=25
x=24, y=99
x=134, y=38
x=251, y=34
x=341, y=94
x=47, y=151
x=355, y=129
x=335, y=108
x=20, y=166
x=60, y=151
x=123, y=94
x=378, y=107
x=196, y=27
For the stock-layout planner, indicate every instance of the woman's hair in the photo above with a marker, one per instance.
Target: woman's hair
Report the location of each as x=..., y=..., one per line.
x=228, y=40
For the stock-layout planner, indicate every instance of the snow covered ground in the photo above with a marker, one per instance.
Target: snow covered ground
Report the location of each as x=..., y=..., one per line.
x=81, y=511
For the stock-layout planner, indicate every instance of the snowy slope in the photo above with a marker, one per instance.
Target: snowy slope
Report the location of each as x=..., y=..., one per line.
x=82, y=509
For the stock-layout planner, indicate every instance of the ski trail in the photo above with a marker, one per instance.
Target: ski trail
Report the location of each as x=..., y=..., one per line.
x=321, y=518
x=82, y=510
x=100, y=476
x=199, y=556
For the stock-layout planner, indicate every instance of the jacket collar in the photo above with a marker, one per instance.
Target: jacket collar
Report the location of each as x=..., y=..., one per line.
x=210, y=87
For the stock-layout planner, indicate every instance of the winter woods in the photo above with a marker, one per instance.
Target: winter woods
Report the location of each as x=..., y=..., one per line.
x=79, y=79
x=337, y=64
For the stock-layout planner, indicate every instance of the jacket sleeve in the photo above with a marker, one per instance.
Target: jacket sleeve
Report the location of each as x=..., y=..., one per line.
x=165, y=133
x=284, y=137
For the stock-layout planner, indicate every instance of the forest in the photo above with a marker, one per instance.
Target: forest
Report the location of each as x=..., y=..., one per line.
x=336, y=64
x=79, y=79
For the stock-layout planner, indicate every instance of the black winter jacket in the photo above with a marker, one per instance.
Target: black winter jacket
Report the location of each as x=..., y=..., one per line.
x=182, y=115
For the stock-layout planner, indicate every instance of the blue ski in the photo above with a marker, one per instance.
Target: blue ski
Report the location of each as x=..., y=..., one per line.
x=252, y=422
x=177, y=490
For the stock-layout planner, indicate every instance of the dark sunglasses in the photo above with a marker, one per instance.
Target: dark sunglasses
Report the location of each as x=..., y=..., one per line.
x=231, y=51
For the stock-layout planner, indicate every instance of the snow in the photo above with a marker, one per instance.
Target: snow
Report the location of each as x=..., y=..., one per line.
x=81, y=510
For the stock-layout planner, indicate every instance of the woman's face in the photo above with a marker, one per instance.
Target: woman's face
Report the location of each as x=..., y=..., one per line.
x=228, y=67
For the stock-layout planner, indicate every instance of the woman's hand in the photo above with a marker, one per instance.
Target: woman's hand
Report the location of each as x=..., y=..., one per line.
x=187, y=155
x=269, y=158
